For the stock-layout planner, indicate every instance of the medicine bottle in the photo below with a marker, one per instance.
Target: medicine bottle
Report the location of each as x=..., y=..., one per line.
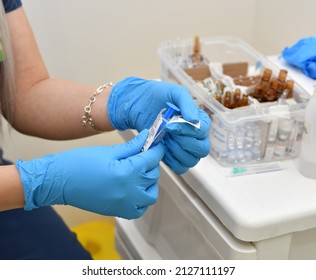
x=244, y=100
x=279, y=89
x=289, y=85
x=271, y=94
x=227, y=99
x=267, y=73
x=282, y=76
x=307, y=159
x=257, y=93
x=236, y=98
x=196, y=56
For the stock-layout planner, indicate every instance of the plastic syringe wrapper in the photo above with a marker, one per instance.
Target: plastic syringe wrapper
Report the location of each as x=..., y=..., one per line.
x=157, y=131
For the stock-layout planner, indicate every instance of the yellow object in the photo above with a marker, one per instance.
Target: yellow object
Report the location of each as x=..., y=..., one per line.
x=97, y=238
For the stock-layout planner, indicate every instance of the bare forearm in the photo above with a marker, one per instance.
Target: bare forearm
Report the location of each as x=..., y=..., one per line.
x=45, y=107
x=11, y=191
x=52, y=109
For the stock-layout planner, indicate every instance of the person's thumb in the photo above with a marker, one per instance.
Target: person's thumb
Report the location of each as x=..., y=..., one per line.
x=133, y=146
x=184, y=101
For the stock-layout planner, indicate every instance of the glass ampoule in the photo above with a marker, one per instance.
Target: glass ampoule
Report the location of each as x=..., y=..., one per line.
x=265, y=83
x=196, y=57
x=236, y=98
x=289, y=85
x=279, y=89
x=244, y=100
x=227, y=99
x=271, y=94
x=282, y=75
x=266, y=76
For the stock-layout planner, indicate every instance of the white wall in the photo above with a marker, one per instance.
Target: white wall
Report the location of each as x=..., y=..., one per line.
x=279, y=24
x=97, y=41
x=101, y=40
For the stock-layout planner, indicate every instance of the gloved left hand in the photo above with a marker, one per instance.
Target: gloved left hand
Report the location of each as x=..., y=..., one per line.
x=134, y=103
x=116, y=180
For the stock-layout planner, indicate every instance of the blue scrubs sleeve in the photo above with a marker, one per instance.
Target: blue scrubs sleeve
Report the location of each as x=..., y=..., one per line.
x=10, y=5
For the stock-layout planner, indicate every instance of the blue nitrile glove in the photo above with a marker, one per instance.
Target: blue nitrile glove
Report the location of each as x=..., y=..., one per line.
x=134, y=103
x=115, y=180
x=185, y=145
x=303, y=55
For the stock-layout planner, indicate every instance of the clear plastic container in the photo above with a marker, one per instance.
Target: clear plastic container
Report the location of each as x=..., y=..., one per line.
x=256, y=133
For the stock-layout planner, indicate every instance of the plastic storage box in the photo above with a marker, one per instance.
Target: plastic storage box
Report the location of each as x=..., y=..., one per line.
x=257, y=133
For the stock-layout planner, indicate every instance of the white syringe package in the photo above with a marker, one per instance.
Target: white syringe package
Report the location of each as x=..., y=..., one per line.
x=257, y=110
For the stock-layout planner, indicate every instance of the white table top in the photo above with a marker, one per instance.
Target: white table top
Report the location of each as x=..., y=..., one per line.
x=257, y=206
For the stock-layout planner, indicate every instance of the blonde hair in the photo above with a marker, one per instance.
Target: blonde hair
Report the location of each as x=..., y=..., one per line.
x=7, y=84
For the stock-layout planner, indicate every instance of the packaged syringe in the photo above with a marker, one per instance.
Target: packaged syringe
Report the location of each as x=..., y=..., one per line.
x=157, y=131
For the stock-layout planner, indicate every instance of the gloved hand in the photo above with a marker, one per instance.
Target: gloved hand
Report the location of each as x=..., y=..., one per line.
x=185, y=145
x=303, y=56
x=134, y=103
x=115, y=180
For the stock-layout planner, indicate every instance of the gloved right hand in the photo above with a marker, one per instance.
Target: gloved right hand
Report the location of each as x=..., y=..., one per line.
x=134, y=103
x=116, y=180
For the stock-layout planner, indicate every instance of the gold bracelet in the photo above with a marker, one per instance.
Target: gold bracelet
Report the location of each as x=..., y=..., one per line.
x=86, y=118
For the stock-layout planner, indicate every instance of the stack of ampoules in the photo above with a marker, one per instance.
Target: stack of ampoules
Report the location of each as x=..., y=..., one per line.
x=232, y=98
x=271, y=88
